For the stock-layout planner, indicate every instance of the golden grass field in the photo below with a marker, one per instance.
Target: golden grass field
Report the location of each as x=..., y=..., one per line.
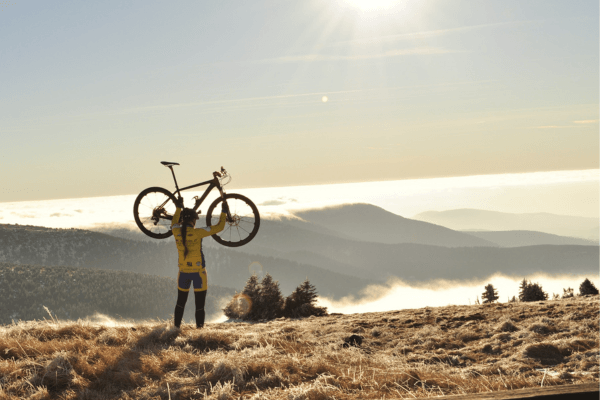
x=404, y=354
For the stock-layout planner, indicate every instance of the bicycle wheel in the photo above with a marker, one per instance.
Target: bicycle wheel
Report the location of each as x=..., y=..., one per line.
x=153, y=212
x=244, y=223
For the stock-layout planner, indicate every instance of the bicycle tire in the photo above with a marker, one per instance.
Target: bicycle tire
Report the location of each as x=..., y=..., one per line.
x=245, y=224
x=147, y=216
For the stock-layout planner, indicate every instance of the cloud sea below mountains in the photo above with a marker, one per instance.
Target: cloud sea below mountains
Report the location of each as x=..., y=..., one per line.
x=562, y=192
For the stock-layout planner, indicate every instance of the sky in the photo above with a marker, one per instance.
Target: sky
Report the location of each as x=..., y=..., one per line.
x=290, y=93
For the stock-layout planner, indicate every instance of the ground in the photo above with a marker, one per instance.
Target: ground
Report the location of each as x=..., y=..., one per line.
x=406, y=353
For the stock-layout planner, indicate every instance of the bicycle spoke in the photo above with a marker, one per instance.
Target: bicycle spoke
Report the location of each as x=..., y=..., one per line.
x=142, y=204
x=239, y=227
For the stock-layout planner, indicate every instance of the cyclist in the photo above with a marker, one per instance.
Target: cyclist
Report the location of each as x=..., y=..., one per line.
x=191, y=259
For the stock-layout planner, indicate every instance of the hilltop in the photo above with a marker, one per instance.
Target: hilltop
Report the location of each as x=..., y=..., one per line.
x=403, y=354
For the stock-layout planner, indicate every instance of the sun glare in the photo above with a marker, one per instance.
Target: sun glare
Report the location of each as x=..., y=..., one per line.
x=371, y=5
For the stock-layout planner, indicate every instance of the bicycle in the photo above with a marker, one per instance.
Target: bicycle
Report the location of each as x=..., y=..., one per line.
x=154, y=208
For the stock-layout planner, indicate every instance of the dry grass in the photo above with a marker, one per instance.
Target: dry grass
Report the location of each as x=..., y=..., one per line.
x=407, y=353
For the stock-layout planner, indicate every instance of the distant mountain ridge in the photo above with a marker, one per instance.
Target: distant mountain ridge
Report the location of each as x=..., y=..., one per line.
x=417, y=262
x=369, y=223
x=473, y=219
x=528, y=238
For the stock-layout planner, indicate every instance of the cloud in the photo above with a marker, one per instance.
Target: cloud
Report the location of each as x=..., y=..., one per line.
x=586, y=121
x=555, y=126
x=60, y=215
x=23, y=215
x=426, y=34
x=398, y=294
x=277, y=202
x=235, y=101
x=389, y=53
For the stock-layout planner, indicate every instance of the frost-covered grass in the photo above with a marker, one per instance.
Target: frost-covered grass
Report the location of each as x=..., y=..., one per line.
x=407, y=353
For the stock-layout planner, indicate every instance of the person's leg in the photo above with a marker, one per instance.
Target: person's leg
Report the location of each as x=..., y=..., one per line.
x=184, y=282
x=180, y=306
x=200, y=300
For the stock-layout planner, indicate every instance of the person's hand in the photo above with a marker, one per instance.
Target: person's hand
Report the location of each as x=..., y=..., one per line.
x=179, y=202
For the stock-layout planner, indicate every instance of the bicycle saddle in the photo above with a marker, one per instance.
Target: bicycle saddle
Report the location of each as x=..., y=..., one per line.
x=168, y=164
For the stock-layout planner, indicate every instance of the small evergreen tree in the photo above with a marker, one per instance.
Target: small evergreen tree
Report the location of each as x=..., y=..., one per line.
x=529, y=291
x=567, y=293
x=587, y=287
x=490, y=295
x=270, y=302
x=302, y=302
x=523, y=289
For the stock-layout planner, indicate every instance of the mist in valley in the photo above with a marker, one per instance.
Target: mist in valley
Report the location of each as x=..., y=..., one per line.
x=398, y=294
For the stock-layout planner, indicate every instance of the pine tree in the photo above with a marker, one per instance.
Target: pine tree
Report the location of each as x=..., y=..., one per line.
x=523, y=289
x=490, y=295
x=587, y=287
x=302, y=302
x=270, y=302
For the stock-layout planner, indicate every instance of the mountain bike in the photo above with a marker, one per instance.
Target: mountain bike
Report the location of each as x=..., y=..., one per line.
x=154, y=208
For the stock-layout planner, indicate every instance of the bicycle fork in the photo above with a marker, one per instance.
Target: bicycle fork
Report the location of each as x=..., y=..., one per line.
x=228, y=211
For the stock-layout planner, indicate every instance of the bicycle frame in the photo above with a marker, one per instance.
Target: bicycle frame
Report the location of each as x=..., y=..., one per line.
x=212, y=183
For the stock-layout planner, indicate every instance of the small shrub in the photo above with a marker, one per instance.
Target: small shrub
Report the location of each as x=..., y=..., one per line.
x=507, y=326
x=241, y=305
x=567, y=293
x=546, y=353
x=529, y=291
x=587, y=287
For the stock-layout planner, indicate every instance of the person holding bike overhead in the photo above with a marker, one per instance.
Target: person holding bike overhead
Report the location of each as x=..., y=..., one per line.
x=191, y=258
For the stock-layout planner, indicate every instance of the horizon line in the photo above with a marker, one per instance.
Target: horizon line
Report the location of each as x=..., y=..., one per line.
x=426, y=178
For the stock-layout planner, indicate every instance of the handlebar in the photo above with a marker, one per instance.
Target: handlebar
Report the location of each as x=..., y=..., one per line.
x=221, y=174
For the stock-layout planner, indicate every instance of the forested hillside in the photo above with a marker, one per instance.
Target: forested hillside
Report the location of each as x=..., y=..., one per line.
x=226, y=267
x=72, y=293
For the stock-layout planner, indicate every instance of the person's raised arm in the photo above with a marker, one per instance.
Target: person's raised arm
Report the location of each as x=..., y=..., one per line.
x=179, y=205
x=211, y=230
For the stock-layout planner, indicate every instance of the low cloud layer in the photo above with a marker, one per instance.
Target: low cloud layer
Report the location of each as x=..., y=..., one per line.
x=399, y=295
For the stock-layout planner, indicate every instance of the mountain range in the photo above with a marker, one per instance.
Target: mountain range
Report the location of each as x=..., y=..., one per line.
x=41, y=246
x=473, y=219
x=341, y=250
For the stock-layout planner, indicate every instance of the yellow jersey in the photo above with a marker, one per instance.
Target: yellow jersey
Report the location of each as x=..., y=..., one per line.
x=194, y=261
